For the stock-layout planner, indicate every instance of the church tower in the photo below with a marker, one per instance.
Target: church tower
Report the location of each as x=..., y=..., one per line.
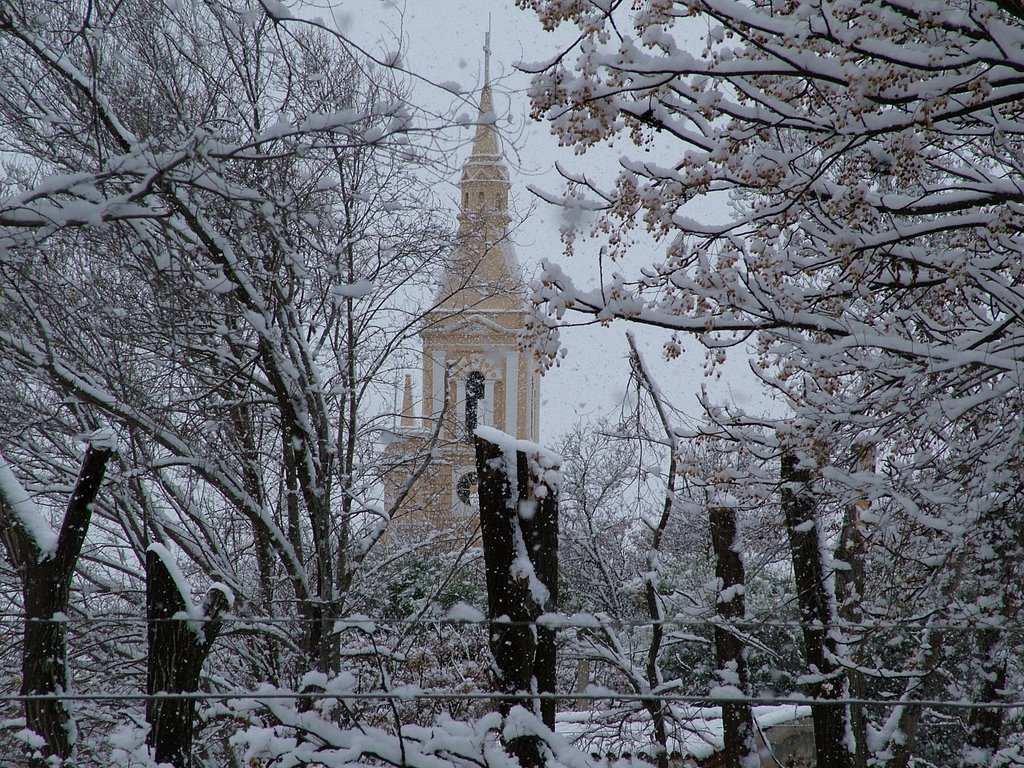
x=473, y=371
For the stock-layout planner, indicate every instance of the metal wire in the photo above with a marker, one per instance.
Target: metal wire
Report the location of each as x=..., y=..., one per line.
x=553, y=621
x=403, y=695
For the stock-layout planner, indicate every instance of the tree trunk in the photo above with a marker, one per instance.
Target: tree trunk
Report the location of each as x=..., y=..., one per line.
x=985, y=725
x=44, y=662
x=46, y=588
x=849, y=579
x=737, y=719
x=1004, y=545
x=519, y=528
x=178, y=647
x=815, y=615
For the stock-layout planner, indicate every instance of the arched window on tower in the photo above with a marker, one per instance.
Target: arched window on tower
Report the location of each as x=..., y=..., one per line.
x=475, y=391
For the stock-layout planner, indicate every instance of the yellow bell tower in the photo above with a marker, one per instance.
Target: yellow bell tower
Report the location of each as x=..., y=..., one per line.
x=470, y=344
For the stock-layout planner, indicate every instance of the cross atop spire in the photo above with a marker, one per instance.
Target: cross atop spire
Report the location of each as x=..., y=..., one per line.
x=486, y=141
x=487, y=53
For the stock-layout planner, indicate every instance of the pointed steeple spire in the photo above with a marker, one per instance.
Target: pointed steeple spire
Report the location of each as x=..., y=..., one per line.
x=485, y=143
x=485, y=177
x=487, y=53
x=484, y=264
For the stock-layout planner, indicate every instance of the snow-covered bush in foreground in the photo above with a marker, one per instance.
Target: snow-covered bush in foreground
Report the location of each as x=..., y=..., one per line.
x=294, y=736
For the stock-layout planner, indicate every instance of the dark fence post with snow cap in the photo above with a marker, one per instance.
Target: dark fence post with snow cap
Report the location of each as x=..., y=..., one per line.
x=518, y=491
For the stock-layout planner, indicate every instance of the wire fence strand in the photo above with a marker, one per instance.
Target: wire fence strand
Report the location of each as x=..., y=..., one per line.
x=408, y=695
x=553, y=621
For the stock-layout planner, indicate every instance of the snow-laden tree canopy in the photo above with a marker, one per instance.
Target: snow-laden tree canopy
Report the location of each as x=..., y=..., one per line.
x=871, y=262
x=872, y=154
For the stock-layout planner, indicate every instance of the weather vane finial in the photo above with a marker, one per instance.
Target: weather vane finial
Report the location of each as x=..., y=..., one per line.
x=487, y=53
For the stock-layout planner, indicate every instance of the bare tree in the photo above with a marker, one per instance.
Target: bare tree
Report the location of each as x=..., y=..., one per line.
x=218, y=240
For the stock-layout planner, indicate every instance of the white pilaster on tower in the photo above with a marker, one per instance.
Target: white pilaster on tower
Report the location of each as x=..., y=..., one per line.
x=408, y=408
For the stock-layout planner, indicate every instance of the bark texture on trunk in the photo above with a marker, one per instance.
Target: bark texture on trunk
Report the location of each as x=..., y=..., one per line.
x=816, y=616
x=178, y=646
x=737, y=719
x=519, y=520
x=46, y=587
x=849, y=594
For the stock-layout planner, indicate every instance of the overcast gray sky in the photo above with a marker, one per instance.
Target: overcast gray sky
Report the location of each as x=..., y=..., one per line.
x=442, y=40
